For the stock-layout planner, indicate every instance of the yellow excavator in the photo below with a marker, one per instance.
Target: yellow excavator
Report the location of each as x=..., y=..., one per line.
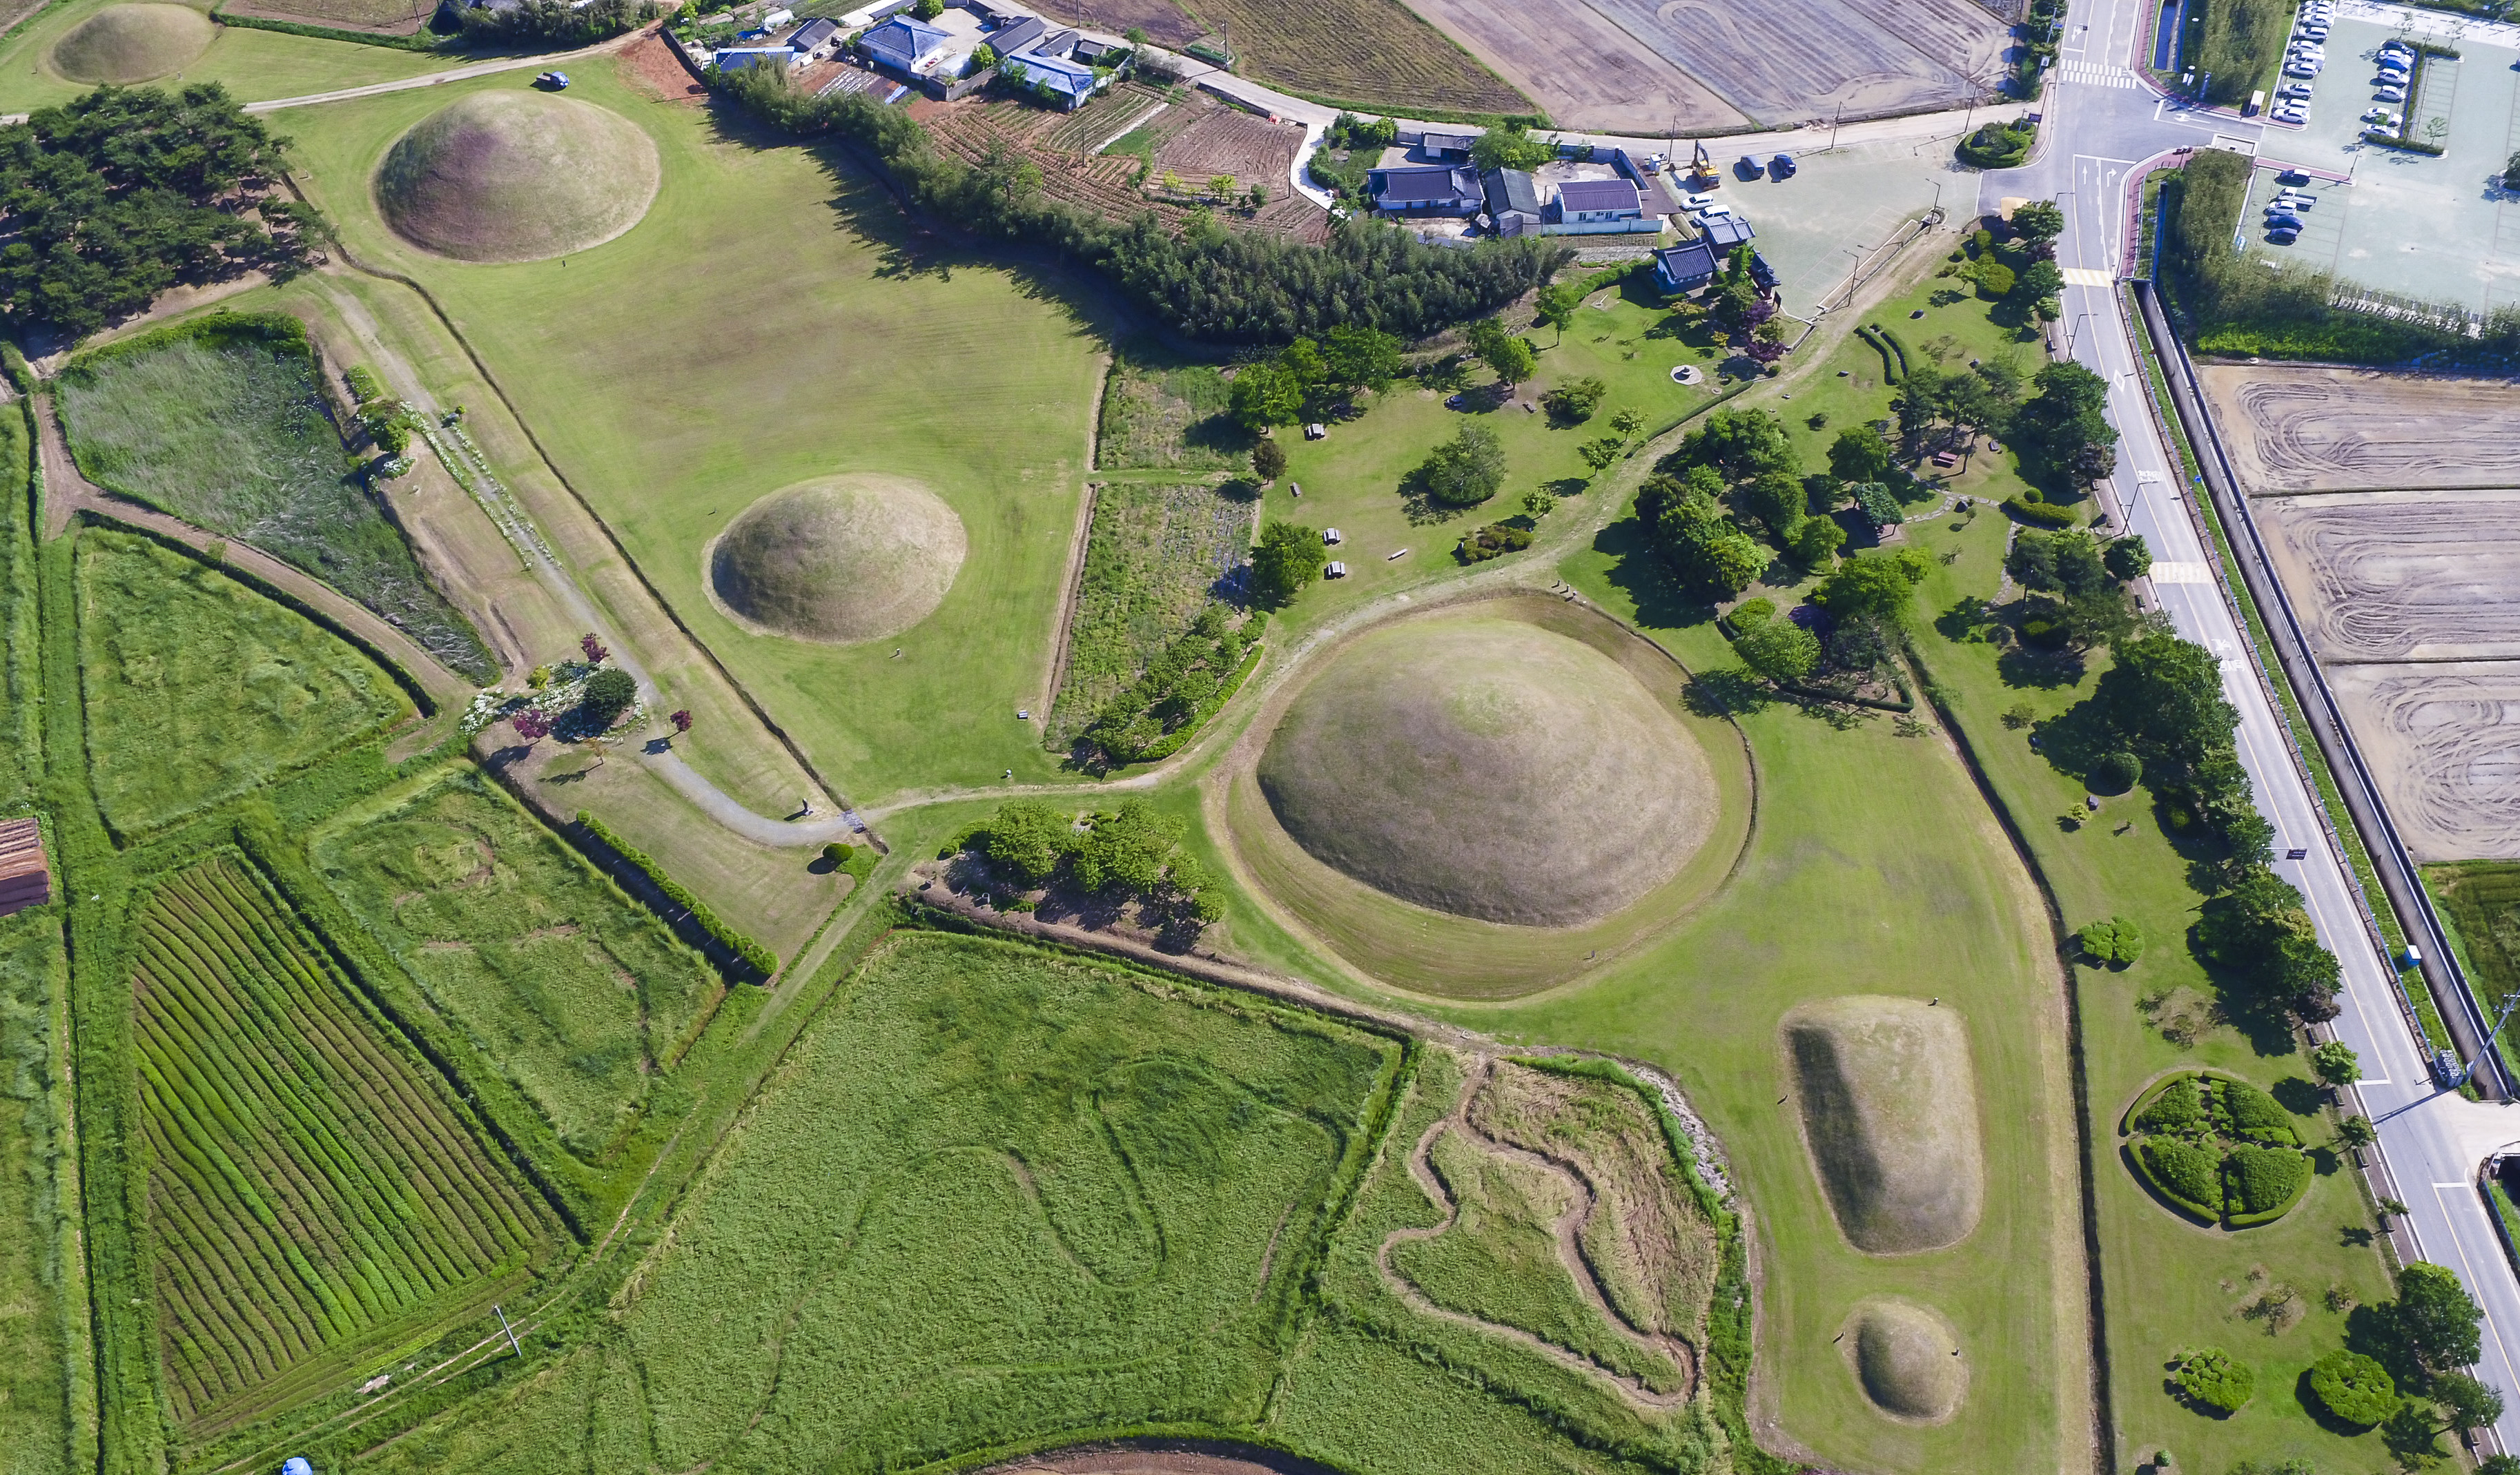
x=1702, y=174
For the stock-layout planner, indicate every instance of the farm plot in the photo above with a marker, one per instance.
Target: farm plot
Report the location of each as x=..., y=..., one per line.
x=2480, y=899
x=1772, y=63
x=2396, y=576
x=223, y=423
x=991, y=1196
x=391, y=17
x=41, y=1383
x=1165, y=23
x=313, y=1187
x=582, y=996
x=2353, y=430
x=1155, y=557
x=2445, y=740
x=1171, y=418
x=197, y=689
x=1373, y=54
x=1228, y=141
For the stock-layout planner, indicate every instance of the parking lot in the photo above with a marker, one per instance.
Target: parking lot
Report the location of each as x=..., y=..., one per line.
x=2407, y=223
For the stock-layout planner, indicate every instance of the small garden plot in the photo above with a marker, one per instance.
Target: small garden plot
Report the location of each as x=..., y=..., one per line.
x=581, y=996
x=197, y=689
x=1171, y=418
x=311, y=1182
x=1150, y=643
x=2219, y=1149
x=222, y=423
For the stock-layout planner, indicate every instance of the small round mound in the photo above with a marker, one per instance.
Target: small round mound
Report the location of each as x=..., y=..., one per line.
x=511, y=175
x=133, y=43
x=1482, y=766
x=1907, y=1359
x=837, y=559
x=1889, y=1107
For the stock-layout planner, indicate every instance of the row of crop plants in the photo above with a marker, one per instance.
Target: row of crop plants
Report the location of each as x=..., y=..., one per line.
x=307, y=1184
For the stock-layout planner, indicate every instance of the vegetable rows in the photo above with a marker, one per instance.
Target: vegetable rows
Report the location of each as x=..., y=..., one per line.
x=308, y=1184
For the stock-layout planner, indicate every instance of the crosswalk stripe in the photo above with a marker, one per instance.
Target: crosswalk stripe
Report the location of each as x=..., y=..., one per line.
x=2093, y=75
x=2182, y=571
x=2084, y=275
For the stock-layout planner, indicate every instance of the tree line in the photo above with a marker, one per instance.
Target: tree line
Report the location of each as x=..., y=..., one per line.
x=1205, y=282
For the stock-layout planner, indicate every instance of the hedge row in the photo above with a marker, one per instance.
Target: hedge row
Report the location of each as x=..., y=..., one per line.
x=1172, y=743
x=1889, y=366
x=753, y=955
x=2044, y=514
x=1897, y=346
x=422, y=40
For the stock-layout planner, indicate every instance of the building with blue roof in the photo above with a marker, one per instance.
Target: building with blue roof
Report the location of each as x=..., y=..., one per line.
x=1064, y=83
x=905, y=44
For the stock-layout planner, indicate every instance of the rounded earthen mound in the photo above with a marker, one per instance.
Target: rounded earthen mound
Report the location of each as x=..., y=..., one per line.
x=837, y=559
x=509, y=176
x=133, y=43
x=1889, y=1107
x=1482, y=766
x=1907, y=1359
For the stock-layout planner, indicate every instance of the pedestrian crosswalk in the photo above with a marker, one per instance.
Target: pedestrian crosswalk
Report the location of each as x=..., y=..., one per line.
x=2095, y=74
x=2180, y=571
x=2084, y=275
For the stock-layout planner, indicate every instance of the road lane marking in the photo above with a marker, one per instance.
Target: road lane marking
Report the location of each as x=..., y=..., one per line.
x=2468, y=1195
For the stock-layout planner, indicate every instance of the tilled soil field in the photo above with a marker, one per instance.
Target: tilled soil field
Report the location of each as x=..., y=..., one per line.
x=2355, y=429
x=2445, y=742
x=1253, y=150
x=2401, y=576
x=1651, y=65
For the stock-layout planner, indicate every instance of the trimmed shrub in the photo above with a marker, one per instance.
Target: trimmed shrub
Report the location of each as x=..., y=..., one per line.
x=1994, y=281
x=2215, y=1380
x=2043, y=514
x=2116, y=772
x=2264, y=1180
x=2355, y=1388
x=2177, y=1109
x=609, y=693
x=2185, y=1173
x=2255, y=1115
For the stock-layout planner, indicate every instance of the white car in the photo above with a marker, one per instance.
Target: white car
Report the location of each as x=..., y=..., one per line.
x=1714, y=211
x=1699, y=202
x=2300, y=69
x=2391, y=93
x=2296, y=91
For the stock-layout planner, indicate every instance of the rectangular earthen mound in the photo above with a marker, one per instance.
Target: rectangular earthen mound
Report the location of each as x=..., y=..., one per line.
x=1889, y=1108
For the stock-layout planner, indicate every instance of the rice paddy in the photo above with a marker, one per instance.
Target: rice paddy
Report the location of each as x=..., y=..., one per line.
x=197, y=689
x=579, y=995
x=312, y=1185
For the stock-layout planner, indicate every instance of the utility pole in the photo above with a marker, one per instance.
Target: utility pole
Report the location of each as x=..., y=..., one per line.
x=2469, y=1068
x=1832, y=127
x=512, y=1334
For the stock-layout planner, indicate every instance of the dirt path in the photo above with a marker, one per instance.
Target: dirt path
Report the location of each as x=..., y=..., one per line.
x=1570, y=1255
x=67, y=491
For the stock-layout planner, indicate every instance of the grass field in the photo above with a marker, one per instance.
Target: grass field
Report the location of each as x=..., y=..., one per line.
x=312, y=1185
x=198, y=689
x=230, y=433
x=252, y=64
x=1133, y=1175
x=2481, y=902
x=2241, y=42
x=20, y=671
x=580, y=995
x=47, y=1385
x=1155, y=557
x=805, y=256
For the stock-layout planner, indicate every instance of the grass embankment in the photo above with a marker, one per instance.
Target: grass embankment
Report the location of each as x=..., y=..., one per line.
x=197, y=689
x=585, y=1000
x=2479, y=901
x=20, y=663
x=47, y=1384
x=252, y=64
x=223, y=422
x=777, y=404
x=2241, y=42
x=312, y=1184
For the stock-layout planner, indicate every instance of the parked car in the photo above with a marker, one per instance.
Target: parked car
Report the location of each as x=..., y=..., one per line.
x=2285, y=222
x=1696, y=202
x=1713, y=211
x=2283, y=238
x=2300, y=69
x=1781, y=166
x=551, y=81
x=1747, y=166
x=2391, y=93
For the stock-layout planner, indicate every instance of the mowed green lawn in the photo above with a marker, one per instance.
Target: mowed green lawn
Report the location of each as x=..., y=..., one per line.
x=2168, y=1283
x=764, y=325
x=254, y=65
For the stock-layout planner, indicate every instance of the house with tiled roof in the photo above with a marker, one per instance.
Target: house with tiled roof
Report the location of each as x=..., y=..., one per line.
x=1426, y=190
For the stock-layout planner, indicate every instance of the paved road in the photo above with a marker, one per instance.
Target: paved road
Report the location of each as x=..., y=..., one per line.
x=2100, y=125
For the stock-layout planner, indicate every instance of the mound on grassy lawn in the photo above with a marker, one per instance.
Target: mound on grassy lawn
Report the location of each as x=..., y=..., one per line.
x=1480, y=765
x=133, y=43
x=840, y=558
x=1907, y=1359
x=511, y=175
x=1889, y=1104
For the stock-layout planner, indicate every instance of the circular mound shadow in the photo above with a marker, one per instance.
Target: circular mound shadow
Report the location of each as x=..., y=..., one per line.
x=1906, y=1358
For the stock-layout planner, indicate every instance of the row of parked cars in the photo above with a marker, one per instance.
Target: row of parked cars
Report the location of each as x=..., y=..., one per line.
x=2284, y=215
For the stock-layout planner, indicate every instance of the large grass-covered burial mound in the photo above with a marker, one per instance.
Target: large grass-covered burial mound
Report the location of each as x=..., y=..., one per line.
x=511, y=175
x=1889, y=1107
x=133, y=43
x=840, y=559
x=1907, y=1359
x=1480, y=765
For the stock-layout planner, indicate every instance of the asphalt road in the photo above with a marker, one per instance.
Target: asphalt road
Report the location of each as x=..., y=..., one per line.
x=2100, y=125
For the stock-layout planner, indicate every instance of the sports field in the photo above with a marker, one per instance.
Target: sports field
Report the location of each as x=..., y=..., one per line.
x=252, y=64
x=790, y=354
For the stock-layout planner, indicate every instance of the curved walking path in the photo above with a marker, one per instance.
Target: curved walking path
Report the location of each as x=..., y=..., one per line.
x=1582, y=1202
